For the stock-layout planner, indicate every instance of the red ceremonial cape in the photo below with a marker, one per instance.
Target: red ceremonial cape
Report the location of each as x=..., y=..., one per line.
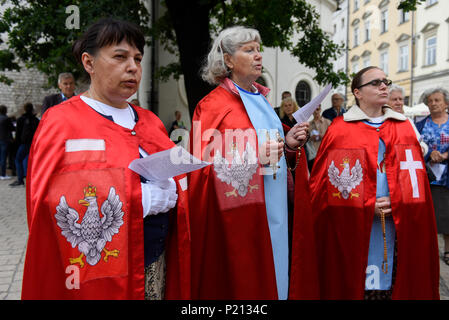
x=232, y=255
x=339, y=228
x=77, y=153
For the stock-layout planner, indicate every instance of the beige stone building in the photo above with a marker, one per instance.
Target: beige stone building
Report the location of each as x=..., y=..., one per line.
x=381, y=35
x=431, y=67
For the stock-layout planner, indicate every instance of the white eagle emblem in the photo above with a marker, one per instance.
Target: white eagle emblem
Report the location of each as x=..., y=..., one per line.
x=241, y=170
x=347, y=180
x=94, y=231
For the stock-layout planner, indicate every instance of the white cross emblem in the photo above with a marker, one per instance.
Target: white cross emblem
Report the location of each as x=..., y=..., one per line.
x=412, y=166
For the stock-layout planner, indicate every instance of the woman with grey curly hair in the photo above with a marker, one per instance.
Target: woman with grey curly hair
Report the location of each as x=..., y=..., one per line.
x=396, y=96
x=435, y=132
x=228, y=41
x=239, y=233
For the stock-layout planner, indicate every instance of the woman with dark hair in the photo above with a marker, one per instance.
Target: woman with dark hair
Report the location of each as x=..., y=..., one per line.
x=98, y=229
x=435, y=132
x=373, y=225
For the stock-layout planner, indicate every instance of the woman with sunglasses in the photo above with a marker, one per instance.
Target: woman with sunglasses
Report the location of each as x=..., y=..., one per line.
x=373, y=226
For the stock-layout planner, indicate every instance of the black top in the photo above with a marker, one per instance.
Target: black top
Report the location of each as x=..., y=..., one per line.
x=6, y=127
x=331, y=114
x=286, y=120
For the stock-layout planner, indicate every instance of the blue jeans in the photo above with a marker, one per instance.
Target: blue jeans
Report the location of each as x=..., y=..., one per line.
x=3, y=153
x=22, y=161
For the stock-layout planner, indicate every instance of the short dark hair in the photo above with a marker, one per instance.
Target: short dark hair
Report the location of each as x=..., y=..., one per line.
x=105, y=32
x=357, y=80
x=3, y=109
x=28, y=107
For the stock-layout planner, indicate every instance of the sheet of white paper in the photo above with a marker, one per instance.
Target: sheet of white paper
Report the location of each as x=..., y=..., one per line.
x=167, y=164
x=437, y=169
x=304, y=113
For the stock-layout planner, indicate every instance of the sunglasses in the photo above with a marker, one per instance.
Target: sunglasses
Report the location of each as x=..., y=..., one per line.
x=377, y=82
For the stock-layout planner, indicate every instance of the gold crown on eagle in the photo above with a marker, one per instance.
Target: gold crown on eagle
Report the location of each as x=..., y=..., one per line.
x=90, y=191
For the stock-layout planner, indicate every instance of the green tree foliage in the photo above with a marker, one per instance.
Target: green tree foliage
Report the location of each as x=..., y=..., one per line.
x=277, y=21
x=6, y=57
x=38, y=35
x=410, y=5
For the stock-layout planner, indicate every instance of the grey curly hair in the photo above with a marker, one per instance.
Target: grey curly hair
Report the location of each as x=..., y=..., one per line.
x=228, y=41
x=431, y=91
x=395, y=87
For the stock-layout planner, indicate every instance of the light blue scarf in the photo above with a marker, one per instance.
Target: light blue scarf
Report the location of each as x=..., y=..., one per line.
x=264, y=119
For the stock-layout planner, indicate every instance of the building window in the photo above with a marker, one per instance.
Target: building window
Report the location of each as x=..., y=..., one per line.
x=366, y=62
x=342, y=23
x=355, y=67
x=431, y=50
x=356, y=5
x=403, y=58
x=384, y=21
x=430, y=2
x=384, y=61
x=303, y=93
x=367, y=31
x=356, y=36
x=403, y=16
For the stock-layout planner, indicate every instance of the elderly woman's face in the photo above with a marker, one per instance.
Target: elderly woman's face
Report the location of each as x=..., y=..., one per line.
x=116, y=71
x=246, y=63
x=396, y=101
x=436, y=103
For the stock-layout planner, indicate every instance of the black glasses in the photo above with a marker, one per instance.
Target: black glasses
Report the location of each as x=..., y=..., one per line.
x=377, y=82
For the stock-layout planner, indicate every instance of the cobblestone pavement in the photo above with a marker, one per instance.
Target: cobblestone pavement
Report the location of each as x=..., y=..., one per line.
x=14, y=234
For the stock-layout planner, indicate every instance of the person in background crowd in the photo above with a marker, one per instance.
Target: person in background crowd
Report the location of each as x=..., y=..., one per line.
x=396, y=98
x=285, y=94
x=337, y=108
x=6, y=129
x=318, y=127
x=177, y=124
x=66, y=83
x=12, y=149
x=396, y=101
x=372, y=234
x=26, y=127
x=435, y=132
x=288, y=107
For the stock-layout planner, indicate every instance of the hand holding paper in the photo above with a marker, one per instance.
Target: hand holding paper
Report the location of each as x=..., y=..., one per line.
x=167, y=164
x=304, y=113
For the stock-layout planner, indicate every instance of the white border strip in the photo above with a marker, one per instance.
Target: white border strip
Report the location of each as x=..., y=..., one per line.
x=74, y=145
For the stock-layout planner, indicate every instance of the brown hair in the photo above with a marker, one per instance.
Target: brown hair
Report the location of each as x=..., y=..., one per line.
x=105, y=32
x=357, y=80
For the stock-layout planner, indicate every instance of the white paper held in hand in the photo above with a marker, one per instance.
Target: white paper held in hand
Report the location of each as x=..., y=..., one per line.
x=166, y=164
x=304, y=113
x=437, y=169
